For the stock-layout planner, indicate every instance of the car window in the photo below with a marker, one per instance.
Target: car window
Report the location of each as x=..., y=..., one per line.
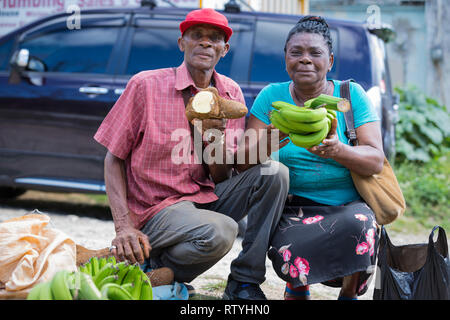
x=156, y=47
x=269, y=46
x=378, y=59
x=5, y=52
x=355, y=62
x=224, y=65
x=84, y=50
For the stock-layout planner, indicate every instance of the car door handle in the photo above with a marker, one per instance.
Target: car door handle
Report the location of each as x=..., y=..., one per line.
x=93, y=90
x=119, y=91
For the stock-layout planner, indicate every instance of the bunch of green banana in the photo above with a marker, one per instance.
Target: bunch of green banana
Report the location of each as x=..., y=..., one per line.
x=95, y=264
x=99, y=279
x=118, y=281
x=329, y=102
x=60, y=287
x=306, y=127
x=66, y=285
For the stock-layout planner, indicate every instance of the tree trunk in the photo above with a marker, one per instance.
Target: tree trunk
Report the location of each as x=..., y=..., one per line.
x=438, y=44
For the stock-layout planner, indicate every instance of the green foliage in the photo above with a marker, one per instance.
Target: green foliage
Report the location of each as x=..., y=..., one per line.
x=100, y=199
x=423, y=129
x=426, y=189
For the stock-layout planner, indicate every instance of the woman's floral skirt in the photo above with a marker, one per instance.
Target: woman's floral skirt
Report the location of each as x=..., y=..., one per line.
x=322, y=244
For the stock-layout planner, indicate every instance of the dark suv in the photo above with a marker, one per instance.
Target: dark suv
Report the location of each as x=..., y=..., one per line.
x=57, y=84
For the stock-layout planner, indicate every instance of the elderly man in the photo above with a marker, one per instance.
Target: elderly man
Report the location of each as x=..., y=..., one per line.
x=183, y=215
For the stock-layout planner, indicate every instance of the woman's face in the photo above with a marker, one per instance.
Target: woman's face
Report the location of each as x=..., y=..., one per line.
x=307, y=59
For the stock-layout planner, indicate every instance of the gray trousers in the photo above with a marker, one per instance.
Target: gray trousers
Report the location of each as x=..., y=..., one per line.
x=190, y=238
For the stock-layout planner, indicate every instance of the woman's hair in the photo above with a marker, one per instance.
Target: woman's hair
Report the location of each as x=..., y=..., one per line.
x=312, y=24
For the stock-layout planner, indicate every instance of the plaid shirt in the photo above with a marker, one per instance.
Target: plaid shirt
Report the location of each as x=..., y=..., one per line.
x=139, y=129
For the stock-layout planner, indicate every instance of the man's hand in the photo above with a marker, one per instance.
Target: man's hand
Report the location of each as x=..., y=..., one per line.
x=207, y=124
x=132, y=245
x=331, y=146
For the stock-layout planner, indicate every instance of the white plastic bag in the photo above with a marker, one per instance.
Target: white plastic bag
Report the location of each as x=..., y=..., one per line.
x=31, y=252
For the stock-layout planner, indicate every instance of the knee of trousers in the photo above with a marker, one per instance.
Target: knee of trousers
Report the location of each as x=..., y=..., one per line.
x=219, y=237
x=276, y=174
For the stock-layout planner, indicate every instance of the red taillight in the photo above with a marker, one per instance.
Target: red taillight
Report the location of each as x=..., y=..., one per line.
x=382, y=86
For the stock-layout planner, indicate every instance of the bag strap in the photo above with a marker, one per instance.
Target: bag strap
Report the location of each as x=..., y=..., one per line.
x=350, y=133
x=383, y=247
x=441, y=242
x=384, y=238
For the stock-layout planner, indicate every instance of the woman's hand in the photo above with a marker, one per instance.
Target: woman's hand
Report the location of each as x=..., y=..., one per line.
x=364, y=159
x=331, y=146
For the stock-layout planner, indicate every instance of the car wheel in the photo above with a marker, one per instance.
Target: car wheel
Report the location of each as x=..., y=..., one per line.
x=10, y=192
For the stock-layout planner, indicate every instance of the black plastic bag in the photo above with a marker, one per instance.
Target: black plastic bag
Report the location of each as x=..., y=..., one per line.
x=413, y=271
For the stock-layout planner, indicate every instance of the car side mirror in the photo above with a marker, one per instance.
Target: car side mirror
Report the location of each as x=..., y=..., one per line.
x=22, y=58
x=19, y=61
x=22, y=61
x=36, y=65
x=385, y=32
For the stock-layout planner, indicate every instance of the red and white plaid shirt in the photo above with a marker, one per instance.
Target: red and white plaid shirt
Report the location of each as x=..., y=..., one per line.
x=138, y=130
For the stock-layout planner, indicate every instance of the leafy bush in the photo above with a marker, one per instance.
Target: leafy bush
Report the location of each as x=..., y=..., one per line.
x=423, y=130
x=426, y=190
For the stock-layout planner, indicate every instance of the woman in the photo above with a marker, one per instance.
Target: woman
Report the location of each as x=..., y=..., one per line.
x=327, y=233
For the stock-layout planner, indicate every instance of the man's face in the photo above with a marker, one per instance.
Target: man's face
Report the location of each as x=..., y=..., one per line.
x=203, y=46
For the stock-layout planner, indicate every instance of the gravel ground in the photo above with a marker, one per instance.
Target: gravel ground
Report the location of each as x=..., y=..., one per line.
x=97, y=231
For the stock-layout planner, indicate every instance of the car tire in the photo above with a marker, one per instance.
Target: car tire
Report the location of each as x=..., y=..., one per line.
x=10, y=192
